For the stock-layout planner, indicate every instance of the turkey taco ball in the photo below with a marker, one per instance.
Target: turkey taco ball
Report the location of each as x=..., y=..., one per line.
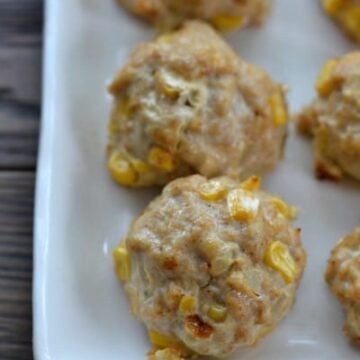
x=346, y=14
x=211, y=266
x=343, y=276
x=223, y=14
x=333, y=119
x=186, y=103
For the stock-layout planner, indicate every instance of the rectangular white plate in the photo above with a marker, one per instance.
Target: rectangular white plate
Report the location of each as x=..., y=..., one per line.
x=80, y=311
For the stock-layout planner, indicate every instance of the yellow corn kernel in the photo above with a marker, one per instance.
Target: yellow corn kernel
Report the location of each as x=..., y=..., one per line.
x=113, y=126
x=122, y=263
x=163, y=341
x=123, y=107
x=332, y=6
x=351, y=19
x=242, y=205
x=226, y=22
x=217, y=313
x=278, y=257
x=168, y=84
x=121, y=170
x=165, y=354
x=161, y=159
x=170, y=92
x=278, y=108
x=293, y=212
x=324, y=83
x=187, y=304
x=251, y=184
x=140, y=166
x=289, y=212
x=166, y=38
x=212, y=190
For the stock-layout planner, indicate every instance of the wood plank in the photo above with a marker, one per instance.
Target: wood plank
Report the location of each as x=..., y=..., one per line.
x=20, y=67
x=21, y=22
x=20, y=79
x=16, y=212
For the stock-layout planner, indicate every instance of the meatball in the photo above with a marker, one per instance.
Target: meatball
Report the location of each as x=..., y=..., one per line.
x=185, y=104
x=347, y=14
x=223, y=14
x=334, y=119
x=343, y=276
x=211, y=265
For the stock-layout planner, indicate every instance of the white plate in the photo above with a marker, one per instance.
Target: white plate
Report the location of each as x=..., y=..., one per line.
x=80, y=311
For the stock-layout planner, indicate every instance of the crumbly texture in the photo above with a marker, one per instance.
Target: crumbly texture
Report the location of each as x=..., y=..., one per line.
x=189, y=96
x=205, y=273
x=166, y=14
x=346, y=13
x=343, y=276
x=334, y=119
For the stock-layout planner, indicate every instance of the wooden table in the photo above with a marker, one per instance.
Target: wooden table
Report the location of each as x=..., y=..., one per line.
x=20, y=68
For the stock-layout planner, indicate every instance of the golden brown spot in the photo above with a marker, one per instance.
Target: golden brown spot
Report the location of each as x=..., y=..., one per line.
x=197, y=327
x=323, y=172
x=170, y=263
x=239, y=335
x=260, y=312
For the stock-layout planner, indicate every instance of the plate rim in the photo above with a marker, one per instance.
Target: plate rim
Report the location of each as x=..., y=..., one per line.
x=41, y=218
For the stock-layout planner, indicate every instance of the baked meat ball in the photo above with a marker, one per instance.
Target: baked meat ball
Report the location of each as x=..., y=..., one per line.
x=343, y=276
x=211, y=265
x=334, y=119
x=186, y=103
x=223, y=14
x=347, y=14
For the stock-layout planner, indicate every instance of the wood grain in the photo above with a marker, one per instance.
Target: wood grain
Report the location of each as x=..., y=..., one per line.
x=16, y=207
x=21, y=25
x=20, y=67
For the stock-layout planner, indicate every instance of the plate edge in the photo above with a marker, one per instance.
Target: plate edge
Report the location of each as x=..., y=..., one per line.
x=41, y=217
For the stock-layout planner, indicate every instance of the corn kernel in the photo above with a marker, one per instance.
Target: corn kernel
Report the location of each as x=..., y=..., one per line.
x=351, y=18
x=324, y=83
x=121, y=170
x=212, y=190
x=224, y=22
x=217, y=313
x=123, y=107
x=293, y=212
x=278, y=108
x=163, y=341
x=122, y=263
x=277, y=256
x=168, y=84
x=166, y=38
x=113, y=126
x=332, y=6
x=140, y=166
x=171, y=92
x=242, y=205
x=165, y=354
x=289, y=212
x=187, y=304
x=161, y=159
x=252, y=183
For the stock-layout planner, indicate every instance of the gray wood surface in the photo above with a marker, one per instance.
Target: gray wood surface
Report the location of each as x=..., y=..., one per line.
x=20, y=67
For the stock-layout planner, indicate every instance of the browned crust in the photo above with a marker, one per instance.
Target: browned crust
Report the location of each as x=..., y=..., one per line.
x=325, y=172
x=197, y=327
